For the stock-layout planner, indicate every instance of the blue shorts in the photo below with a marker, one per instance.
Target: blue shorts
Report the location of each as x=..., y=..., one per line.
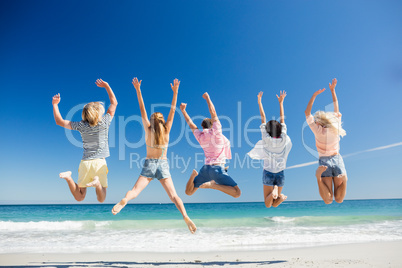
x=217, y=173
x=272, y=179
x=335, y=165
x=156, y=169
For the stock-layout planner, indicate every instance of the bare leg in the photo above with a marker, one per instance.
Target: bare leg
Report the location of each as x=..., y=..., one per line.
x=268, y=199
x=190, y=189
x=78, y=192
x=100, y=190
x=140, y=185
x=340, y=183
x=275, y=192
x=171, y=191
x=230, y=190
x=324, y=185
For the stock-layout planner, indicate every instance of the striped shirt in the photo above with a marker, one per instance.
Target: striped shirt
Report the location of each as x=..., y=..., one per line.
x=94, y=139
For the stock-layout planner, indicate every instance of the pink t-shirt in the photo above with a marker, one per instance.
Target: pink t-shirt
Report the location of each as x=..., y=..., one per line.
x=216, y=146
x=326, y=140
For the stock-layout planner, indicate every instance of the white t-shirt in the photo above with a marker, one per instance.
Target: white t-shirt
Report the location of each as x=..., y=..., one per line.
x=274, y=151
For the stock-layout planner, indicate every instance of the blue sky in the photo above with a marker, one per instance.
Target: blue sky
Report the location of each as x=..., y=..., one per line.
x=233, y=50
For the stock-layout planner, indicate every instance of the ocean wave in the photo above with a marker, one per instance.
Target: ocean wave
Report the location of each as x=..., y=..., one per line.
x=303, y=221
x=105, y=236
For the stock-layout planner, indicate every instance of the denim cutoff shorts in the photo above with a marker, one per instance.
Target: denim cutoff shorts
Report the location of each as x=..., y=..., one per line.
x=217, y=173
x=156, y=169
x=334, y=164
x=272, y=179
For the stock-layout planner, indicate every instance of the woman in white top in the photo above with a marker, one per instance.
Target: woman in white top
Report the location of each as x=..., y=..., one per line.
x=274, y=149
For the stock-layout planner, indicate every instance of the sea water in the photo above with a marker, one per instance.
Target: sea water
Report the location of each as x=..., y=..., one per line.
x=221, y=226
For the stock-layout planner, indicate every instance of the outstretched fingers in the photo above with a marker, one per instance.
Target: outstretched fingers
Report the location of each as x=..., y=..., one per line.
x=136, y=83
x=100, y=83
x=333, y=84
x=176, y=84
x=282, y=95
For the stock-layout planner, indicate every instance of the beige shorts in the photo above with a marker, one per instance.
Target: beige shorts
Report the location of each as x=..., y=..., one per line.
x=88, y=169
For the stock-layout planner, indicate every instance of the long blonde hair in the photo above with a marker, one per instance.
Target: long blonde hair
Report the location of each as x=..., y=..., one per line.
x=331, y=121
x=158, y=127
x=92, y=113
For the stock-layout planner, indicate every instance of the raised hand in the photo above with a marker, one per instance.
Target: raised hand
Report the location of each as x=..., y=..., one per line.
x=56, y=99
x=183, y=106
x=205, y=95
x=333, y=85
x=175, y=86
x=281, y=96
x=101, y=83
x=136, y=83
x=260, y=96
x=318, y=92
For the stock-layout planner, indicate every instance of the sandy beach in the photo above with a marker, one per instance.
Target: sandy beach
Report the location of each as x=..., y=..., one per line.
x=374, y=254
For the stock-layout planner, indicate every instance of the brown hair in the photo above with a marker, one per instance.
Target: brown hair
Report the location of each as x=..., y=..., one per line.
x=158, y=127
x=206, y=123
x=92, y=113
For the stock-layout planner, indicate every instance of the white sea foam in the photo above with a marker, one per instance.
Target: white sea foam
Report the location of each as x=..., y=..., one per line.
x=79, y=236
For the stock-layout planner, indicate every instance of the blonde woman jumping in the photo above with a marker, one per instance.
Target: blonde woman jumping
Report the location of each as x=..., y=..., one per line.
x=327, y=127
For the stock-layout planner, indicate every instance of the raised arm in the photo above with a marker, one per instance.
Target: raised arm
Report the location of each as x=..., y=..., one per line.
x=307, y=112
x=144, y=116
x=211, y=107
x=187, y=117
x=334, y=98
x=262, y=113
x=113, y=101
x=281, y=98
x=56, y=113
x=175, y=88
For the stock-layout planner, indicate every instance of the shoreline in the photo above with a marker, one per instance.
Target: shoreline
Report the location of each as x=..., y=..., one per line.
x=70, y=203
x=371, y=254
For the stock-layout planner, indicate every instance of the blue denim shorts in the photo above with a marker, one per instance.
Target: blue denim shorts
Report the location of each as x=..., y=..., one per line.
x=156, y=169
x=335, y=165
x=272, y=179
x=217, y=173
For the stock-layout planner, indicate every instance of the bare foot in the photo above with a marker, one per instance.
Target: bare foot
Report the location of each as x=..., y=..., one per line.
x=95, y=183
x=280, y=199
x=119, y=206
x=193, y=175
x=190, y=224
x=190, y=183
x=320, y=170
x=65, y=175
x=208, y=184
x=275, y=192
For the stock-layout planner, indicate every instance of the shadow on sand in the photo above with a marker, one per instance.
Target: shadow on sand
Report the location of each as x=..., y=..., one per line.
x=113, y=264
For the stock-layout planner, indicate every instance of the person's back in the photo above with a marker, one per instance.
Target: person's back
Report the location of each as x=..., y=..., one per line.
x=326, y=138
x=275, y=149
x=215, y=145
x=216, y=148
x=94, y=138
x=94, y=127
